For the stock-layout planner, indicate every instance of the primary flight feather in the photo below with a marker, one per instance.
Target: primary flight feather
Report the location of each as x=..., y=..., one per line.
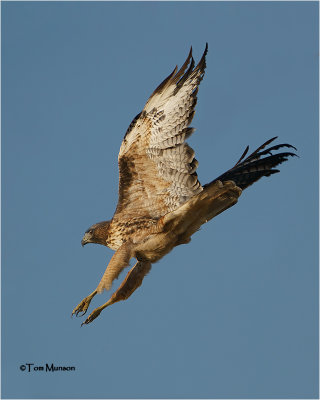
x=161, y=201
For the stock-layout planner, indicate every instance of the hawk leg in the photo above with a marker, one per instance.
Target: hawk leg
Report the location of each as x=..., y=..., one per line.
x=131, y=282
x=119, y=260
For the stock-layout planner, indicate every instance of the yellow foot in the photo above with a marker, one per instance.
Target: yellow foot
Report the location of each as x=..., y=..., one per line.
x=83, y=306
x=95, y=313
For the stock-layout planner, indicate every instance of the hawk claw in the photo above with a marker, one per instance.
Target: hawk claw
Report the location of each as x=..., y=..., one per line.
x=82, y=307
x=76, y=313
x=95, y=313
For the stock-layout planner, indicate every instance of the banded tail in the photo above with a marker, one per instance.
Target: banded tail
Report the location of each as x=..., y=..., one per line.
x=255, y=166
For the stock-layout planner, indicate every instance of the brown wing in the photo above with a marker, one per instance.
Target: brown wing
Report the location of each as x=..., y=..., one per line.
x=157, y=168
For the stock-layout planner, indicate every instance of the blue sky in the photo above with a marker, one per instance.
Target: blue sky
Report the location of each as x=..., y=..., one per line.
x=233, y=314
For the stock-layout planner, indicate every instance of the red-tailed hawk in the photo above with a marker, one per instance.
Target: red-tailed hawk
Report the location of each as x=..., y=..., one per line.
x=161, y=201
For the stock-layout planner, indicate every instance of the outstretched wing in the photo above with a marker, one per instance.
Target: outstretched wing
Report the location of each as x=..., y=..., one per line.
x=157, y=168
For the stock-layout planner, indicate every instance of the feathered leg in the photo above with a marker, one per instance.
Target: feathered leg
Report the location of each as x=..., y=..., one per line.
x=132, y=281
x=118, y=262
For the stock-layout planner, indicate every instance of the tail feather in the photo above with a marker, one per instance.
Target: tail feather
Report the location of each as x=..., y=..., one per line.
x=255, y=166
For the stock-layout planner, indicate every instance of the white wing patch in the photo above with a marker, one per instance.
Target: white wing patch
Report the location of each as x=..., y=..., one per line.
x=161, y=130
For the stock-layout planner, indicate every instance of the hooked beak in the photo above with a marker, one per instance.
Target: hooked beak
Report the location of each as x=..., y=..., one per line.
x=86, y=239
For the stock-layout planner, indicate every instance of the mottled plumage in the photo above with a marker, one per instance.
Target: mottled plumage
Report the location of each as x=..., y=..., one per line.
x=161, y=201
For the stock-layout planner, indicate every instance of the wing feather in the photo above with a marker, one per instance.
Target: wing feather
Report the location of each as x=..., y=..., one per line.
x=157, y=167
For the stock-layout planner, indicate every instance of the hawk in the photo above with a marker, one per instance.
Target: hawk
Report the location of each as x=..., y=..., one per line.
x=161, y=201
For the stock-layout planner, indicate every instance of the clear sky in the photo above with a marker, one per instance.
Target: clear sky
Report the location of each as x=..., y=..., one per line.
x=234, y=313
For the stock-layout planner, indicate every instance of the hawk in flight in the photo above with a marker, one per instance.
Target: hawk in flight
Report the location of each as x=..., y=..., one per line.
x=161, y=201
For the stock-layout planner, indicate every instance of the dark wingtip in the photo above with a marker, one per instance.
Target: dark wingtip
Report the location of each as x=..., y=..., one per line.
x=269, y=141
x=291, y=155
x=243, y=155
x=163, y=83
x=203, y=58
x=250, y=169
x=290, y=146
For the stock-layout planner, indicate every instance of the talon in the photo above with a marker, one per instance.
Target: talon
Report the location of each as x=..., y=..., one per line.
x=95, y=313
x=79, y=311
x=81, y=308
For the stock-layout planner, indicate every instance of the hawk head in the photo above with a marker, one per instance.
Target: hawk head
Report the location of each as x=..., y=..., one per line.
x=97, y=233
